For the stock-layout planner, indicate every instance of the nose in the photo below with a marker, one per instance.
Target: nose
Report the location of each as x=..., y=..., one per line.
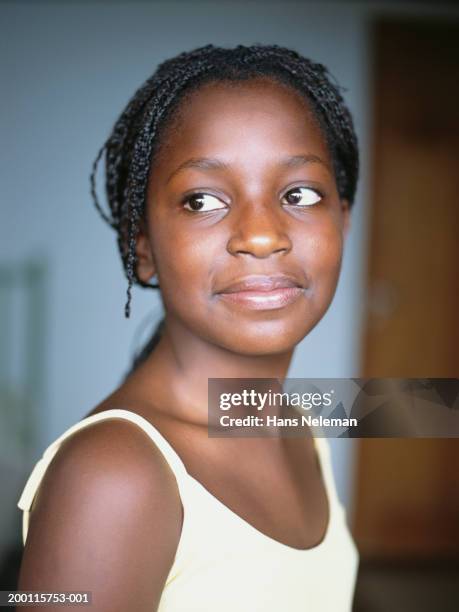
x=259, y=231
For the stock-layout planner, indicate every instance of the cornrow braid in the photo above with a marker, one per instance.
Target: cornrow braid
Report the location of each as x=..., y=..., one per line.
x=136, y=136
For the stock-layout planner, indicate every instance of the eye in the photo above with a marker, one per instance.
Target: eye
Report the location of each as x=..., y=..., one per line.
x=302, y=196
x=202, y=202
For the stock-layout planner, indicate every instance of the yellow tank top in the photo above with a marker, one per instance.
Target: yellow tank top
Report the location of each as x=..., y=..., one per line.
x=224, y=563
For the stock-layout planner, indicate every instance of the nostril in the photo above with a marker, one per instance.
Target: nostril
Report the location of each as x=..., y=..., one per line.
x=259, y=245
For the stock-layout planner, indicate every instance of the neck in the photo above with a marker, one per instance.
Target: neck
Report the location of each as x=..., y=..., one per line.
x=182, y=363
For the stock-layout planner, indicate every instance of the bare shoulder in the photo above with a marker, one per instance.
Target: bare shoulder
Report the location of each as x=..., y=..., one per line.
x=107, y=518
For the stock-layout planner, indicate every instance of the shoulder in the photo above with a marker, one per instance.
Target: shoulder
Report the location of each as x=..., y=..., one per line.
x=113, y=452
x=107, y=514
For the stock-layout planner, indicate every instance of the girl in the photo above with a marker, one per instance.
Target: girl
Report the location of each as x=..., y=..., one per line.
x=229, y=176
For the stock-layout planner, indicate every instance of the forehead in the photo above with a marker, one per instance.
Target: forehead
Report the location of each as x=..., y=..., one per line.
x=226, y=117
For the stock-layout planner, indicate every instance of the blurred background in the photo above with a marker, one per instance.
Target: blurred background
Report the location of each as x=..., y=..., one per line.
x=67, y=70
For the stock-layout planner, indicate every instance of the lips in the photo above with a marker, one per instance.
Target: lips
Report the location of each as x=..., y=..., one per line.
x=261, y=283
x=260, y=292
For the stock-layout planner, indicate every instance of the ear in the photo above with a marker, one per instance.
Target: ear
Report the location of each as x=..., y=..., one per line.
x=346, y=211
x=145, y=264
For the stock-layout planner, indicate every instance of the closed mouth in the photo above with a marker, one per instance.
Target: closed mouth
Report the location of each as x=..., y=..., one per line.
x=261, y=292
x=261, y=283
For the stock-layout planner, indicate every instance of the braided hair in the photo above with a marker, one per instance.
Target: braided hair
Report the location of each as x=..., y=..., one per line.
x=136, y=137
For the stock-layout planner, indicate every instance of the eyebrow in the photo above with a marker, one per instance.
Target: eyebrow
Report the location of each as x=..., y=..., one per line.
x=212, y=163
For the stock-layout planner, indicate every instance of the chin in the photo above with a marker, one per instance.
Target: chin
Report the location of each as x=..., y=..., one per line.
x=265, y=339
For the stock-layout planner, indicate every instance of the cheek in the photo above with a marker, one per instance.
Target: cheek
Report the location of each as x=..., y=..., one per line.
x=322, y=256
x=183, y=262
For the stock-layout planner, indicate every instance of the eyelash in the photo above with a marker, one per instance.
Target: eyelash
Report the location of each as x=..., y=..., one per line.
x=298, y=187
x=187, y=199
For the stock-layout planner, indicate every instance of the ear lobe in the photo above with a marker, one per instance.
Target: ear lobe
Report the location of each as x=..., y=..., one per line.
x=145, y=264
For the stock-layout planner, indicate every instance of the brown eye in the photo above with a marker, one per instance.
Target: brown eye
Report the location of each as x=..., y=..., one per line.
x=302, y=196
x=202, y=202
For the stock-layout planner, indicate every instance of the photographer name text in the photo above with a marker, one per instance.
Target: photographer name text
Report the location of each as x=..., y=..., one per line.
x=275, y=421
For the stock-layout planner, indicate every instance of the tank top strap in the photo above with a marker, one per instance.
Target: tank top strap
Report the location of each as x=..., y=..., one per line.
x=33, y=482
x=324, y=455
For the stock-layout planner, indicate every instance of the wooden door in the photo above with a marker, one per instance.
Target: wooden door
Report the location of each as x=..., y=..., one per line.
x=407, y=491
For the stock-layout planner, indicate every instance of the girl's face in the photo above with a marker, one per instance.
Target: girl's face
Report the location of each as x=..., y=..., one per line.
x=243, y=187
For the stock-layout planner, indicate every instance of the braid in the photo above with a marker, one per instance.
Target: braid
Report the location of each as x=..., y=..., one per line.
x=136, y=136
